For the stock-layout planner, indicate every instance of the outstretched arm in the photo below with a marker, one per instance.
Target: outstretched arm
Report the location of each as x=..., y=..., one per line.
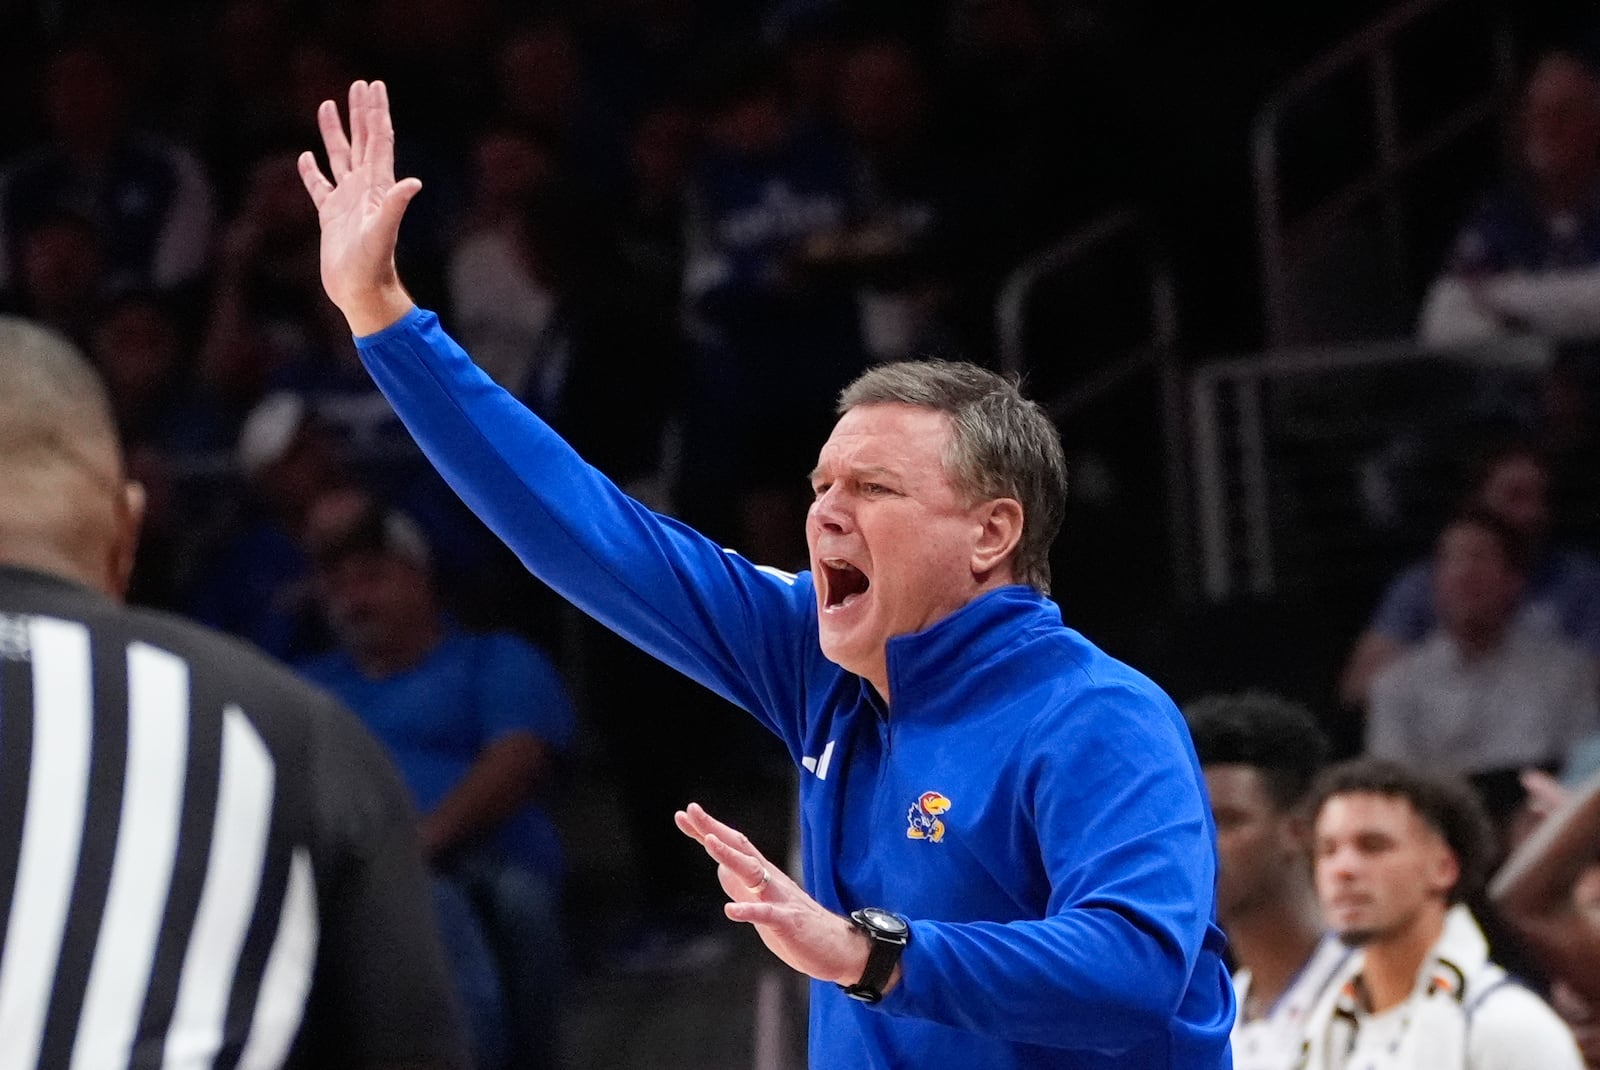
x=746, y=632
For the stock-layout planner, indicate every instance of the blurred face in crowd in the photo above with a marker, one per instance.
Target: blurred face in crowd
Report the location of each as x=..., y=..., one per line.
x=754, y=125
x=136, y=348
x=1517, y=489
x=60, y=266
x=294, y=480
x=275, y=200
x=316, y=73
x=1258, y=844
x=376, y=600
x=881, y=94
x=508, y=168
x=892, y=540
x=335, y=512
x=662, y=149
x=1381, y=870
x=811, y=64
x=539, y=75
x=1476, y=586
x=1561, y=122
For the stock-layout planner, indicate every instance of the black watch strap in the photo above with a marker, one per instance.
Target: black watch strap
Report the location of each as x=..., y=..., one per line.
x=889, y=934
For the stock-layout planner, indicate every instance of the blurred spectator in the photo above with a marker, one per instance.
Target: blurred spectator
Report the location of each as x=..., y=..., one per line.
x=496, y=298
x=1487, y=694
x=1259, y=754
x=266, y=297
x=1549, y=892
x=256, y=579
x=174, y=438
x=142, y=346
x=1398, y=855
x=900, y=201
x=242, y=108
x=148, y=200
x=1561, y=594
x=271, y=329
x=60, y=271
x=580, y=342
x=541, y=79
x=810, y=43
x=1529, y=259
x=661, y=151
x=475, y=724
x=773, y=326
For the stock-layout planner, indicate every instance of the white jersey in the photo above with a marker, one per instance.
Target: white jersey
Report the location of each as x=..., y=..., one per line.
x=1463, y=1014
x=1276, y=1040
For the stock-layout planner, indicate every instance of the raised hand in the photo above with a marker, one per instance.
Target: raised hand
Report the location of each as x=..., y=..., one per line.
x=359, y=207
x=794, y=926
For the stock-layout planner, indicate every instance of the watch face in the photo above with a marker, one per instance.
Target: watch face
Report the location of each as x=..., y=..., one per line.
x=884, y=921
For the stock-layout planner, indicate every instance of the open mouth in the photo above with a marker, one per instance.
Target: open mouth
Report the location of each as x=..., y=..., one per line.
x=845, y=583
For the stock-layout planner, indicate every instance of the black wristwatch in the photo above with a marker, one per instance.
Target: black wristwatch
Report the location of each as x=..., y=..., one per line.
x=889, y=934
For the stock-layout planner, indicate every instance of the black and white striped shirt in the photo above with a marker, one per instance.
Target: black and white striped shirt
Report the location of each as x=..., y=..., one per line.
x=203, y=861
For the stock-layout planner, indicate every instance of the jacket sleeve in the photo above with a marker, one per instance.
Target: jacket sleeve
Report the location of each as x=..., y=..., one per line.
x=744, y=631
x=1127, y=952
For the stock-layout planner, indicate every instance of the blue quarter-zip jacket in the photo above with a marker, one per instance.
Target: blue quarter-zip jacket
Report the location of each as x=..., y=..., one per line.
x=1032, y=806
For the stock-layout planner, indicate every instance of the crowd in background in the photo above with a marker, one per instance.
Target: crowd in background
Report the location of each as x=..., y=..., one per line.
x=674, y=229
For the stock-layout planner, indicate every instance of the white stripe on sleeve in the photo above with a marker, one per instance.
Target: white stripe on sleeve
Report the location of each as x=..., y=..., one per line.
x=287, y=980
x=228, y=899
x=147, y=843
x=52, y=833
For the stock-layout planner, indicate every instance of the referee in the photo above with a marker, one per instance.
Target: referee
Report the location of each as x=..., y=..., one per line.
x=203, y=862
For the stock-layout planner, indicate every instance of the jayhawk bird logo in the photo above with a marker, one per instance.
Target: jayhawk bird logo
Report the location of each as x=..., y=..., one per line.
x=924, y=817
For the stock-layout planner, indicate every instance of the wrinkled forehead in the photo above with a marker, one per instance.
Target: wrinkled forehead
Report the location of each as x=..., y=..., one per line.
x=890, y=427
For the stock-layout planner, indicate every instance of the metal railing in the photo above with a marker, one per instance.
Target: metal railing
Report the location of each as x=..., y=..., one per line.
x=1239, y=427
x=1283, y=242
x=1016, y=297
x=1155, y=353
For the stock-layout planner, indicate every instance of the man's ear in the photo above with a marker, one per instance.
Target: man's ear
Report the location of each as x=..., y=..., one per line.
x=1444, y=869
x=1001, y=530
x=1294, y=833
x=130, y=509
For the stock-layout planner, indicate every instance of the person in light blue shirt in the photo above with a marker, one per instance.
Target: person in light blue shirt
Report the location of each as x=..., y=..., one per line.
x=474, y=724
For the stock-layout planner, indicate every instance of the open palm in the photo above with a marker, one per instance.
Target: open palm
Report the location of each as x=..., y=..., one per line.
x=793, y=925
x=359, y=205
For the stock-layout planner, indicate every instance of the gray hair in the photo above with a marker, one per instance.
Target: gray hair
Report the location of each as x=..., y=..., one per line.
x=51, y=397
x=1001, y=444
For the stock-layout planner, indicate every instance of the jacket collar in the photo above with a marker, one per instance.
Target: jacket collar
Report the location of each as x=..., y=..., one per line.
x=1462, y=944
x=940, y=659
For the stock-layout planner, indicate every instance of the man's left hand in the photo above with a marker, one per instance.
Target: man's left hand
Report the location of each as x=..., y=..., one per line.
x=815, y=941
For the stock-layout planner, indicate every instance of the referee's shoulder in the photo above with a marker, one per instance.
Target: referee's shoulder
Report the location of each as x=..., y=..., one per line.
x=229, y=661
